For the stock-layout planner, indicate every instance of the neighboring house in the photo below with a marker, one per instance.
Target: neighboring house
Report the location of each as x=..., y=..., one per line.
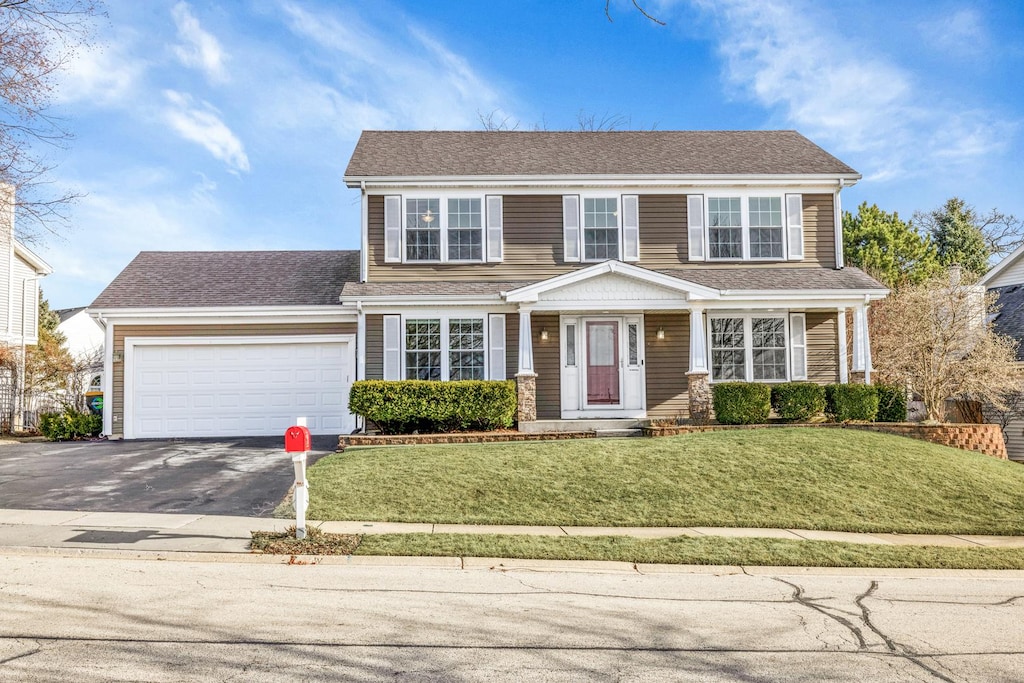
x=20, y=272
x=84, y=335
x=611, y=275
x=1006, y=281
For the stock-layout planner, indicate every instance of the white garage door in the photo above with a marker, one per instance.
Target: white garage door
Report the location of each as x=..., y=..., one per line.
x=233, y=388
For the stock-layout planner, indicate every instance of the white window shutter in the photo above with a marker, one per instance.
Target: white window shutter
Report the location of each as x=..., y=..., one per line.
x=630, y=227
x=495, y=251
x=795, y=226
x=392, y=229
x=571, y=226
x=695, y=226
x=496, y=330
x=798, y=345
x=392, y=347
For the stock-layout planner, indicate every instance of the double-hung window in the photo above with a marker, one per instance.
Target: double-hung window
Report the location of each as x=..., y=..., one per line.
x=444, y=229
x=444, y=348
x=749, y=227
x=600, y=228
x=748, y=348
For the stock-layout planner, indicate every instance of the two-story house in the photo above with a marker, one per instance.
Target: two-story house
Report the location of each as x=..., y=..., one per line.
x=613, y=275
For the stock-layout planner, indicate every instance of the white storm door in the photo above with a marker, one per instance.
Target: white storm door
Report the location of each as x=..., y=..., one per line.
x=633, y=364
x=256, y=386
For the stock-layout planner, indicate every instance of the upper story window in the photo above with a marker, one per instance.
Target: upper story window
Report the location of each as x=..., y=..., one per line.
x=600, y=228
x=747, y=227
x=444, y=229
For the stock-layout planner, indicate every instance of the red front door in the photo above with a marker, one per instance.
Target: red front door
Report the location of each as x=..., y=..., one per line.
x=603, y=363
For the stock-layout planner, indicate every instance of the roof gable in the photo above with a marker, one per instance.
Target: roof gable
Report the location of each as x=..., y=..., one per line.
x=412, y=154
x=610, y=281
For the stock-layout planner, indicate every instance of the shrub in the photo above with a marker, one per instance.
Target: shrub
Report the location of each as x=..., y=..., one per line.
x=69, y=425
x=844, y=402
x=741, y=403
x=798, y=400
x=892, y=403
x=407, y=406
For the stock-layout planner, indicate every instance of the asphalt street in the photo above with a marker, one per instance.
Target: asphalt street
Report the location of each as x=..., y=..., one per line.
x=246, y=476
x=88, y=619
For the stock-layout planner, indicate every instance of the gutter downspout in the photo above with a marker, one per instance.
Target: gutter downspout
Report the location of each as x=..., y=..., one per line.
x=360, y=353
x=108, y=374
x=838, y=208
x=364, y=232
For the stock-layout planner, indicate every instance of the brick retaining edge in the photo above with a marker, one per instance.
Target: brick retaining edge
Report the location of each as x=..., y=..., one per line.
x=980, y=438
x=458, y=437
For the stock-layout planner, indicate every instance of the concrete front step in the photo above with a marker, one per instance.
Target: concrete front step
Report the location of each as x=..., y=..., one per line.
x=618, y=433
x=596, y=425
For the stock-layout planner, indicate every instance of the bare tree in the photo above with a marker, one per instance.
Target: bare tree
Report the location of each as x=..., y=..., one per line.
x=607, y=12
x=1002, y=232
x=933, y=338
x=38, y=38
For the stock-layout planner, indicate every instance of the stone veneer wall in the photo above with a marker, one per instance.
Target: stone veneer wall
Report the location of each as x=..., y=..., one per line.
x=980, y=438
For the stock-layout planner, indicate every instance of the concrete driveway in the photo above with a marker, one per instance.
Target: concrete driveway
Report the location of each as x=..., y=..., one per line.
x=246, y=476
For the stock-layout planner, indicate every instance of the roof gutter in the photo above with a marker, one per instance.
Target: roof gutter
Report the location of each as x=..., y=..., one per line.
x=616, y=179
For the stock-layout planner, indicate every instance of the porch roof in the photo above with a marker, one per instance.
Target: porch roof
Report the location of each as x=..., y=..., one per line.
x=751, y=279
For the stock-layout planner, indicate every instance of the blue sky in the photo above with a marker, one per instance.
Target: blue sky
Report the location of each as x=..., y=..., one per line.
x=228, y=125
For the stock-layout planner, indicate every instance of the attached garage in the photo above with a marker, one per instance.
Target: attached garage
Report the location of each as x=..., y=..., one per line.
x=232, y=386
x=226, y=344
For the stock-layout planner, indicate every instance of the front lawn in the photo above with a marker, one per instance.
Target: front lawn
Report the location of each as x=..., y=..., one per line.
x=832, y=479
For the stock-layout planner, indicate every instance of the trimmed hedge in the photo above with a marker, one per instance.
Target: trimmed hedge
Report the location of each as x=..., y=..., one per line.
x=741, y=403
x=69, y=425
x=798, y=400
x=407, y=406
x=892, y=403
x=845, y=402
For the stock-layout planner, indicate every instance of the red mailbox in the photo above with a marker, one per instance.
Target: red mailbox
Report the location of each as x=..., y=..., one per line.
x=297, y=440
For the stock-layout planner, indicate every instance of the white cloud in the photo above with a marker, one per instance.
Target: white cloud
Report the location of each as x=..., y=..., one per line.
x=200, y=49
x=202, y=124
x=400, y=77
x=839, y=93
x=101, y=75
x=961, y=33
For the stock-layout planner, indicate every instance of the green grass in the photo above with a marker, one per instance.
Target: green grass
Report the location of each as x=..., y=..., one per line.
x=831, y=479
x=685, y=550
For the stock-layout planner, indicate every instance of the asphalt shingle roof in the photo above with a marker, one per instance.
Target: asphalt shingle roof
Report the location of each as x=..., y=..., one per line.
x=509, y=153
x=718, y=278
x=231, y=278
x=1010, y=318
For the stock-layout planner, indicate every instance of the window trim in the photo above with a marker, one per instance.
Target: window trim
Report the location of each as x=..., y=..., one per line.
x=748, y=345
x=444, y=320
x=442, y=216
x=745, y=196
x=583, y=225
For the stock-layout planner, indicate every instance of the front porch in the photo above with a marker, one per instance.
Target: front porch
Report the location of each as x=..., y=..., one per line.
x=620, y=346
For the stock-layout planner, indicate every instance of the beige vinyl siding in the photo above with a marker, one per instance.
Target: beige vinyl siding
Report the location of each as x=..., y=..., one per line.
x=122, y=331
x=822, y=347
x=547, y=365
x=532, y=231
x=511, y=345
x=374, y=347
x=819, y=230
x=666, y=364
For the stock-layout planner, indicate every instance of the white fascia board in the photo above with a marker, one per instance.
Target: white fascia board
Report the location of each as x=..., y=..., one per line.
x=530, y=293
x=828, y=180
x=414, y=301
x=1002, y=265
x=33, y=259
x=233, y=314
x=860, y=295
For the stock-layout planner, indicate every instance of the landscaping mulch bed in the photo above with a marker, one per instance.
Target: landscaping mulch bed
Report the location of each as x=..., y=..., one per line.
x=317, y=542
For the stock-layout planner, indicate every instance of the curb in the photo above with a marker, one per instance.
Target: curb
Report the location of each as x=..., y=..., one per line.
x=502, y=564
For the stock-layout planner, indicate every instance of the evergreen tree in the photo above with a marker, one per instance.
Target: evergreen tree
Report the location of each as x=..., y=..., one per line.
x=887, y=248
x=958, y=238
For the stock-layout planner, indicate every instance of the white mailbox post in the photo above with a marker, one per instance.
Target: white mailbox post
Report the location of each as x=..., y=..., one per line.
x=297, y=441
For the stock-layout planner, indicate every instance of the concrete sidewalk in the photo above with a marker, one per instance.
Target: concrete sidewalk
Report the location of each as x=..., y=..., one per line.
x=223, y=534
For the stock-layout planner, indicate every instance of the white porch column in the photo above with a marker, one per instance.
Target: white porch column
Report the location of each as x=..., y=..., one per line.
x=861, y=346
x=526, y=378
x=525, y=342
x=844, y=361
x=697, y=385
x=698, y=341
